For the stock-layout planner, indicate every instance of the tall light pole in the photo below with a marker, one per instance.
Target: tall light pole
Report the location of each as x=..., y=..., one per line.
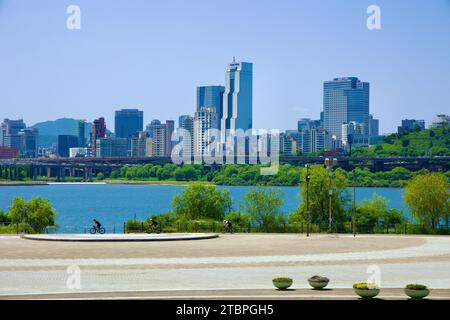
x=329, y=164
x=354, y=203
x=308, y=216
x=24, y=213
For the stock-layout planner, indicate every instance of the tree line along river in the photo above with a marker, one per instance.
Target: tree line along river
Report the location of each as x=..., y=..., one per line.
x=113, y=204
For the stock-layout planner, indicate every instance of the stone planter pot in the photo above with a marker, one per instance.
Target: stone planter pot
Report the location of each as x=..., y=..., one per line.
x=318, y=284
x=416, y=294
x=367, y=293
x=282, y=285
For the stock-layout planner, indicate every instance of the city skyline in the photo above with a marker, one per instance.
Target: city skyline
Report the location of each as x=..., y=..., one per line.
x=85, y=74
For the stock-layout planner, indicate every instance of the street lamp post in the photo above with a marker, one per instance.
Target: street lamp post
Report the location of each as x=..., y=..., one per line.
x=24, y=213
x=329, y=164
x=308, y=216
x=354, y=203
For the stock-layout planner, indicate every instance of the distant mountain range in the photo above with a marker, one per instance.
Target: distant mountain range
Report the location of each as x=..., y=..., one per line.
x=49, y=130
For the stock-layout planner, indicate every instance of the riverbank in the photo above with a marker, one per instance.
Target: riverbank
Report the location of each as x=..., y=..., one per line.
x=100, y=182
x=149, y=182
x=22, y=183
x=157, y=182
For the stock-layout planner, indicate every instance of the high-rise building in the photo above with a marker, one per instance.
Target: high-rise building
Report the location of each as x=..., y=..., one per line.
x=81, y=127
x=345, y=100
x=150, y=126
x=149, y=147
x=162, y=139
x=9, y=133
x=159, y=140
x=111, y=147
x=170, y=128
x=98, y=132
x=139, y=145
x=237, y=98
x=205, y=120
x=186, y=137
x=315, y=140
x=29, y=142
x=306, y=123
x=65, y=142
x=409, y=125
x=128, y=122
x=292, y=142
x=374, y=126
x=211, y=96
x=440, y=120
x=354, y=135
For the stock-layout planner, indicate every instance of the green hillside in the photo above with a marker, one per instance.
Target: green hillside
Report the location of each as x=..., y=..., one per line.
x=429, y=142
x=49, y=130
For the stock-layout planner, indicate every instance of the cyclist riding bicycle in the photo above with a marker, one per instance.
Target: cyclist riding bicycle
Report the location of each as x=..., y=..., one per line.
x=97, y=225
x=153, y=223
x=153, y=226
x=228, y=226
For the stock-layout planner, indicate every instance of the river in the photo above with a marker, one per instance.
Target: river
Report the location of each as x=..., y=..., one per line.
x=113, y=204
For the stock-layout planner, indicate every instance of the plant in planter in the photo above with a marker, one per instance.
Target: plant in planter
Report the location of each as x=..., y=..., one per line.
x=318, y=282
x=282, y=283
x=416, y=291
x=366, y=290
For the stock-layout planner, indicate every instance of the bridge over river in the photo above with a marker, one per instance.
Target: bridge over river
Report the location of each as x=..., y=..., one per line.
x=60, y=168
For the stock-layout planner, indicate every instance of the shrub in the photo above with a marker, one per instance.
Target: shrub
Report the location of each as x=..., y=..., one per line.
x=281, y=279
x=365, y=286
x=135, y=226
x=319, y=279
x=416, y=287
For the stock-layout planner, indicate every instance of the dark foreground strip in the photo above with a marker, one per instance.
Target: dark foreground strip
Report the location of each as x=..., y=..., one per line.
x=234, y=309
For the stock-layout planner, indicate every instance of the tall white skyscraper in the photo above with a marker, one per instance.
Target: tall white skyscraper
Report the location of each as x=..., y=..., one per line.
x=205, y=120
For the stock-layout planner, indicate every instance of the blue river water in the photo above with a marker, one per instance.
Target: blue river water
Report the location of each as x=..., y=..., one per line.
x=113, y=204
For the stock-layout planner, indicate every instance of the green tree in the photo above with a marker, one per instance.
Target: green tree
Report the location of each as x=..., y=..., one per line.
x=237, y=218
x=427, y=196
x=39, y=213
x=4, y=217
x=263, y=206
x=377, y=212
x=319, y=187
x=202, y=201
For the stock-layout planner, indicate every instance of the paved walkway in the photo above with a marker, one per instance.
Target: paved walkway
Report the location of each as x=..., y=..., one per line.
x=251, y=266
x=297, y=294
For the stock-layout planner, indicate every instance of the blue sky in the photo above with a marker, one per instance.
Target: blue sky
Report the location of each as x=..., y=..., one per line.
x=152, y=54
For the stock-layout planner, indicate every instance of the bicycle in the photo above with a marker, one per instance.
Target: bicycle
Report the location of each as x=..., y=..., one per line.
x=95, y=230
x=154, y=229
x=228, y=229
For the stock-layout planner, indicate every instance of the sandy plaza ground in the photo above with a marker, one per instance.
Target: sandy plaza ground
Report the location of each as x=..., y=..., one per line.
x=237, y=266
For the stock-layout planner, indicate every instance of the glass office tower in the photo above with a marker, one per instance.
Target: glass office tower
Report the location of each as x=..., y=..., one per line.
x=345, y=100
x=237, y=98
x=151, y=125
x=128, y=122
x=210, y=96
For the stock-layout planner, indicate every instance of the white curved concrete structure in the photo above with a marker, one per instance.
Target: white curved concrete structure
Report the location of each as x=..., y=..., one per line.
x=120, y=237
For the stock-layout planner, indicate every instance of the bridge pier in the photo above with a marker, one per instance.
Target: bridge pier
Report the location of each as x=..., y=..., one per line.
x=61, y=173
x=33, y=172
x=87, y=174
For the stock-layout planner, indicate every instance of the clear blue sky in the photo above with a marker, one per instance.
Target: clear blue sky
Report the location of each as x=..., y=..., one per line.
x=152, y=54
